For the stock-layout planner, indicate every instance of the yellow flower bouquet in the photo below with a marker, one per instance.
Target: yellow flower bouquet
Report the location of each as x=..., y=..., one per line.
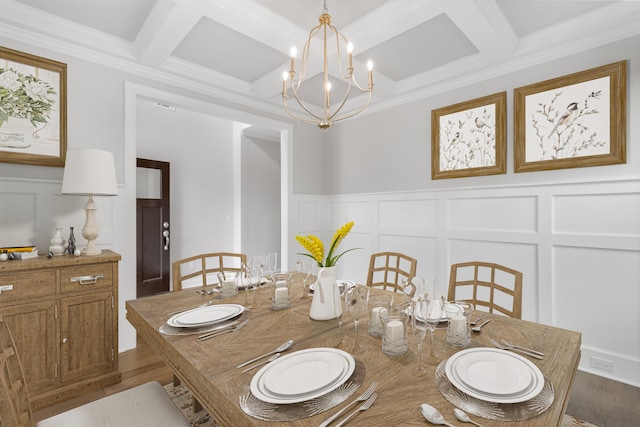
x=316, y=248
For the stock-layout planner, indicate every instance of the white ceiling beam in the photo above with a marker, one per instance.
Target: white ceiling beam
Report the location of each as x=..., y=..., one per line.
x=484, y=24
x=166, y=26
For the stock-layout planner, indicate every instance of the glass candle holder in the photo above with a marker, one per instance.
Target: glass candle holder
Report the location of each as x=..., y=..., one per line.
x=228, y=283
x=459, y=328
x=281, y=291
x=394, y=327
x=379, y=304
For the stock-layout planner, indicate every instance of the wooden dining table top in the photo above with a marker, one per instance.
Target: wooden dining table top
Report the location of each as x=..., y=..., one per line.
x=208, y=368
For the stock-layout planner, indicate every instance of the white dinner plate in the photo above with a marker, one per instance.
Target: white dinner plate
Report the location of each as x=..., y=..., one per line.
x=494, y=375
x=302, y=375
x=207, y=315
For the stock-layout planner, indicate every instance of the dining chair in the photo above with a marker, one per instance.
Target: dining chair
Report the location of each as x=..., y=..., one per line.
x=202, y=270
x=147, y=405
x=488, y=286
x=392, y=271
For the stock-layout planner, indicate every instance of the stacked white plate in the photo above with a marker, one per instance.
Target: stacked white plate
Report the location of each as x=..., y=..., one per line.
x=204, y=316
x=494, y=375
x=302, y=375
x=449, y=310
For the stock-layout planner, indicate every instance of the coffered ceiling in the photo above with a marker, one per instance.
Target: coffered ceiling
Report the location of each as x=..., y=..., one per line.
x=238, y=49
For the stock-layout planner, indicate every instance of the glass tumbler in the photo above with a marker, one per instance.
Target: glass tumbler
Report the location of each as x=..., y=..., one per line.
x=228, y=283
x=394, y=327
x=459, y=328
x=281, y=291
x=379, y=305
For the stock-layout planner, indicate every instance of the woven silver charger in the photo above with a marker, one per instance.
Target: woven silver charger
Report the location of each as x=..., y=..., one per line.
x=490, y=410
x=265, y=411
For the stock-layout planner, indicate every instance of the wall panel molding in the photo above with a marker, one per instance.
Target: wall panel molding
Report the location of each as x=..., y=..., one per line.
x=575, y=244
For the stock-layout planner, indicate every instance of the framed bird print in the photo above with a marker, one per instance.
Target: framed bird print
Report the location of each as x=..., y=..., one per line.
x=573, y=121
x=469, y=138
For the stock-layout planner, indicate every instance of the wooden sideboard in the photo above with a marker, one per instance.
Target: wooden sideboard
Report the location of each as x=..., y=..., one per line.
x=63, y=314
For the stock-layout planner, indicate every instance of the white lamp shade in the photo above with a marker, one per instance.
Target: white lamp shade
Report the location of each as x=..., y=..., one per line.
x=89, y=171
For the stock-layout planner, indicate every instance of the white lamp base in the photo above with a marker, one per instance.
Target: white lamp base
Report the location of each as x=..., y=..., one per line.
x=91, y=230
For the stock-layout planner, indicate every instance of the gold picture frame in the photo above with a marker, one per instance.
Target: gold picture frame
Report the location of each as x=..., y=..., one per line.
x=33, y=109
x=578, y=120
x=469, y=138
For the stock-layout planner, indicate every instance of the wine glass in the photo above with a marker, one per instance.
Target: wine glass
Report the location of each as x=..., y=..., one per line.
x=435, y=311
x=339, y=312
x=419, y=327
x=258, y=263
x=306, y=268
x=355, y=302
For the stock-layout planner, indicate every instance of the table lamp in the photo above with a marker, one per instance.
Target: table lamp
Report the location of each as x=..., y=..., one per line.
x=90, y=172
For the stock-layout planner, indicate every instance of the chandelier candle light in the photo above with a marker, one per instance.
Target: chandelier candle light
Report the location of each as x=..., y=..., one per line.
x=328, y=117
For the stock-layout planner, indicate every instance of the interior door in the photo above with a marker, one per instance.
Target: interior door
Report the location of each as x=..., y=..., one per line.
x=152, y=227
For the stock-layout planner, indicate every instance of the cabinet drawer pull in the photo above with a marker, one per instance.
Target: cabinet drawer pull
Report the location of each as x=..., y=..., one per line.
x=6, y=288
x=87, y=280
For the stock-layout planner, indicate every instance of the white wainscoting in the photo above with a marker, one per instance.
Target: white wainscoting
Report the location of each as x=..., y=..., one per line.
x=577, y=245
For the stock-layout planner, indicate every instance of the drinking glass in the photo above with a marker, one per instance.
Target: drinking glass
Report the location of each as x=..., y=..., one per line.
x=355, y=302
x=435, y=312
x=272, y=262
x=419, y=327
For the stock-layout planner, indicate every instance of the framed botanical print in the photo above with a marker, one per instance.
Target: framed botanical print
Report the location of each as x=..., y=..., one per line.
x=469, y=138
x=33, y=109
x=573, y=121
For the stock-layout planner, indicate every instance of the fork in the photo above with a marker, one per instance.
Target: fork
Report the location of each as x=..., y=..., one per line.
x=231, y=328
x=508, y=344
x=364, y=396
x=364, y=407
x=526, y=353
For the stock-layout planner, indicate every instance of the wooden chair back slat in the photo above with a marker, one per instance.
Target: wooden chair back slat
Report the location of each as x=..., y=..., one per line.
x=491, y=286
x=206, y=267
x=391, y=270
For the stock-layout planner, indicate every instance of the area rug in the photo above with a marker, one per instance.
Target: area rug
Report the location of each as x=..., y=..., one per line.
x=181, y=396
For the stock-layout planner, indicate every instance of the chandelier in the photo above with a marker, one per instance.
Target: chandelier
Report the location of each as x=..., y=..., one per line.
x=327, y=116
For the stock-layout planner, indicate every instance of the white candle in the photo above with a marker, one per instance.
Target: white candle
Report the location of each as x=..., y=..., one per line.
x=394, y=331
x=281, y=294
x=281, y=284
x=458, y=324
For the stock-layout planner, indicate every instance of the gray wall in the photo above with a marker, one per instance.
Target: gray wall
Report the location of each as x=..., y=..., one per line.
x=393, y=147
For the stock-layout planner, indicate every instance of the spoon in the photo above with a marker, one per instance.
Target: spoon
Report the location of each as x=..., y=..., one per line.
x=432, y=415
x=462, y=416
x=479, y=327
x=281, y=348
x=271, y=359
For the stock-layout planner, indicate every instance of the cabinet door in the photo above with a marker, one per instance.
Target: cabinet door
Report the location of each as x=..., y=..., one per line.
x=33, y=327
x=86, y=335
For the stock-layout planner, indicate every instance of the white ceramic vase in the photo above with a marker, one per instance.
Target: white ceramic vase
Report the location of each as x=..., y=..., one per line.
x=57, y=242
x=325, y=304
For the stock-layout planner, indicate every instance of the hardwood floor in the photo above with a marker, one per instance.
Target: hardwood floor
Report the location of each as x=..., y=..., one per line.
x=598, y=400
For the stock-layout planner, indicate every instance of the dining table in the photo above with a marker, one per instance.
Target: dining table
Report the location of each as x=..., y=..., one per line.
x=209, y=367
